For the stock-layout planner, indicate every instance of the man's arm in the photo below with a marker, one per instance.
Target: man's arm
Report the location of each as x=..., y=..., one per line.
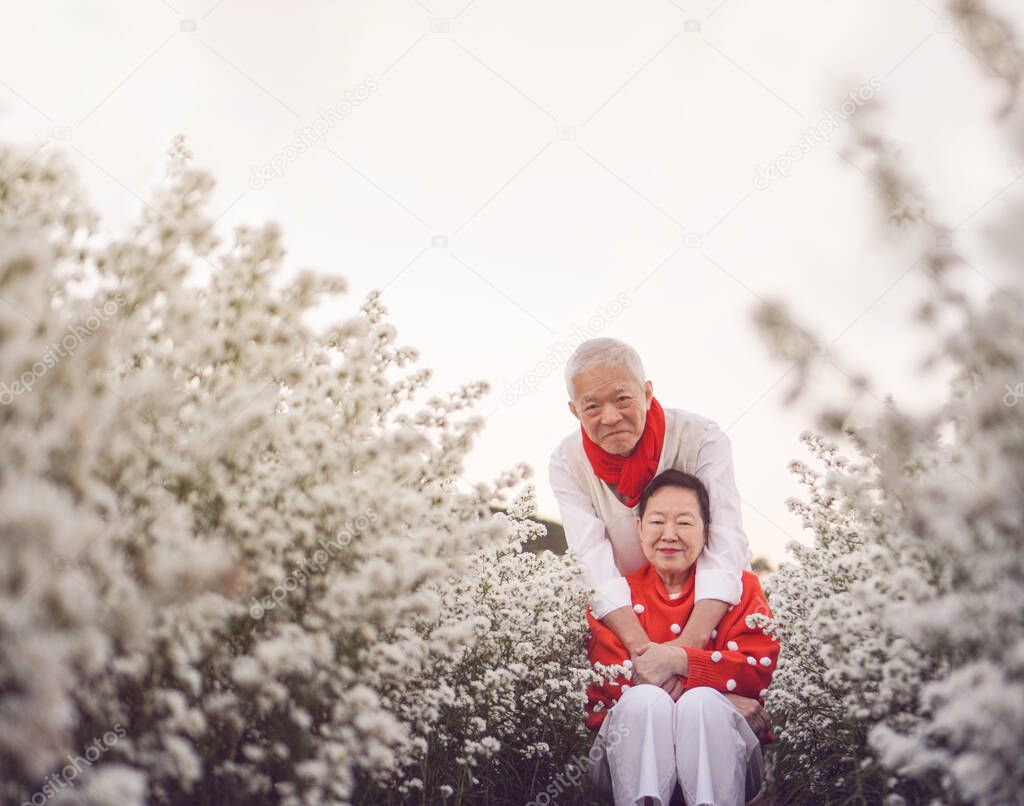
x=703, y=619
x=586, y=535
x=627, y=628
x=720, y=566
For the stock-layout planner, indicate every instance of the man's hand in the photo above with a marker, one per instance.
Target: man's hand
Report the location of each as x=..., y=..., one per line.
x=672, y=684
x=659, y=664
x=752, y=711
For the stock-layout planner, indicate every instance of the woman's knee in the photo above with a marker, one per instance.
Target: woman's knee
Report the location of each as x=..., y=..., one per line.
x=642, y=697
x=702, y=702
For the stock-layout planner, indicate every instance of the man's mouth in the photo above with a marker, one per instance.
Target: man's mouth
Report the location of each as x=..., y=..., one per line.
x=670, y=551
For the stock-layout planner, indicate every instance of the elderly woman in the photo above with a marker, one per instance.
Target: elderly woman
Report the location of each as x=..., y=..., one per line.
x=648, y=740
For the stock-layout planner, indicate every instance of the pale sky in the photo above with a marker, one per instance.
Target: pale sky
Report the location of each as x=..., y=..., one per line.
x=511, y=171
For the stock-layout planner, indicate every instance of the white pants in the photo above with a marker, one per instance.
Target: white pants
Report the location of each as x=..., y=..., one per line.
x=647, y=743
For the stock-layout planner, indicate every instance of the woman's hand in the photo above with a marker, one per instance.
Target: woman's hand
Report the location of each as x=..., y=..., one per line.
x=659, y=664
x=752, y=711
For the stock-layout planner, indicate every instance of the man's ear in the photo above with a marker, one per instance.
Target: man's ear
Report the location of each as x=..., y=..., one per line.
x=572, y=408
x=648, y=392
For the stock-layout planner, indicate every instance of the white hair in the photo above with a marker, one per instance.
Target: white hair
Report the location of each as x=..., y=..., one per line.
x=603, y=352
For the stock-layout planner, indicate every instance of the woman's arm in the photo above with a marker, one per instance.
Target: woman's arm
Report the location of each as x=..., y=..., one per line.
x=706, y=615
x=744, y=656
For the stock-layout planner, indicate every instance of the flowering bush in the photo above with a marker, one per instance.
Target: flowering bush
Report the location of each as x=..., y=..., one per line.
x=500, y=719
x=902, y=676
x=234, y=546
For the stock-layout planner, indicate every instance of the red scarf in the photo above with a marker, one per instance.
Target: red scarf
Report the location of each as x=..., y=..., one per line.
x=630, y=474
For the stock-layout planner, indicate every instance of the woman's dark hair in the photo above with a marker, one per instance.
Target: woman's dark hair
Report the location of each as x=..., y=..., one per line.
x=685, y=481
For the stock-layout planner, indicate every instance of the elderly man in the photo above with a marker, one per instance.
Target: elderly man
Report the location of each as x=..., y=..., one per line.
x=598, y=475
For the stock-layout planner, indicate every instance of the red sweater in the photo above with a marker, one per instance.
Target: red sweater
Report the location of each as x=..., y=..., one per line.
x=739, y=658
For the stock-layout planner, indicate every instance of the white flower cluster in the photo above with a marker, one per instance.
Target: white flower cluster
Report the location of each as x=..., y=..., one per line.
x=190, y=457
x=902, y=673
x=509, y=707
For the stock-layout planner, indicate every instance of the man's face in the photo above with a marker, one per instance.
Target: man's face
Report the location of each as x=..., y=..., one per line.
x=612, y=406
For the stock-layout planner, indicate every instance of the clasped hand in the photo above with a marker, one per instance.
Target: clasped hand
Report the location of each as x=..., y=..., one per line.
x=664, y=664
x=660, y=665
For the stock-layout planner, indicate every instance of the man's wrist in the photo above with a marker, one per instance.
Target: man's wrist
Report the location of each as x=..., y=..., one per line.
x=695, y=638
x=682, y=663
x=634, y=647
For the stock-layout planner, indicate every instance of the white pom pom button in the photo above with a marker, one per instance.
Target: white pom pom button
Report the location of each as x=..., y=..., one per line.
x=716, y=656
x=676, y=629
x=751, y=661
x=730, y=684
x=638, y=608
x=733, y=646
x=766, y=661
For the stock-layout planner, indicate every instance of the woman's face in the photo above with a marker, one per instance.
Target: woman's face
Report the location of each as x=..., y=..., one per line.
x=672, y=531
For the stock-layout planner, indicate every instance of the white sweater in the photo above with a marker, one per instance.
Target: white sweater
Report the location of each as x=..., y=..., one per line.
x=601, y=530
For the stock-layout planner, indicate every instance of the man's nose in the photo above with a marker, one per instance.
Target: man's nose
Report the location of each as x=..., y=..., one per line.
x=610, y=415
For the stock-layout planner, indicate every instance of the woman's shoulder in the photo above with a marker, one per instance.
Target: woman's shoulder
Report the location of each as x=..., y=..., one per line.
x=752, y=579
x=752, y=589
